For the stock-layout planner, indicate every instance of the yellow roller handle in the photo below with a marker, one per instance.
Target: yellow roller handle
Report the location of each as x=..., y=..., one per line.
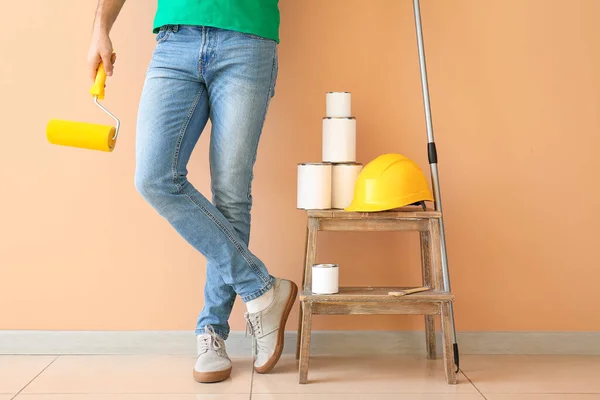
x=98, y=88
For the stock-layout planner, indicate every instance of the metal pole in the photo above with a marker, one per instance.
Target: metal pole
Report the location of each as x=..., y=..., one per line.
x=431, y=150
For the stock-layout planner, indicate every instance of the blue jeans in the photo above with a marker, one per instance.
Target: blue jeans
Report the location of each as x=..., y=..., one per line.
x=197, y=73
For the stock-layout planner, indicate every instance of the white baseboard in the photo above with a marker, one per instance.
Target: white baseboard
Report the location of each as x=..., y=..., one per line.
x=323, y=342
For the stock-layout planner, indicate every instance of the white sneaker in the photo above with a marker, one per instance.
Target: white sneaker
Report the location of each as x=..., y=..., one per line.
x=268, y=326
x=213, y=363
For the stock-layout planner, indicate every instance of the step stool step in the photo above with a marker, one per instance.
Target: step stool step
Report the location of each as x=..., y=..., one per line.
x=376, y=294
x=402, y=213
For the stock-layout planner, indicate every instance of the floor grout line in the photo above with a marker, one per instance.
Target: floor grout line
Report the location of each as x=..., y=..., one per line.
x=470, y=381
x=253, y=358
x=387, y=393
x=34, y=378
x=251, y=383
x=130, y=394
x=292, y=393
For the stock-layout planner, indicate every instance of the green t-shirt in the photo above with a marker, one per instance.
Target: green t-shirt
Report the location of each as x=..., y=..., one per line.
x=257, y=17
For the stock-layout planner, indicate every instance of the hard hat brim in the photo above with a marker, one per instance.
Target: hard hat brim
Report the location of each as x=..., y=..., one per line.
x=396, y=203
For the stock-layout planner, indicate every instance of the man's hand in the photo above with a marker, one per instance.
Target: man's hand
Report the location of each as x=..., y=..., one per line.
x=101, y=51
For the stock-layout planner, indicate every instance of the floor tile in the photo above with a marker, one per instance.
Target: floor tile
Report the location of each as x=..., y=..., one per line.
x=369, y=396
x=132, y=397
x=134, y=374
x=17, y=371
x=522, y=396
x=507, y=374
x=383, y=374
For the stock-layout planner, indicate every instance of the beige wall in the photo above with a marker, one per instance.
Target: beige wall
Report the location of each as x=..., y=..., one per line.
x=515, y=90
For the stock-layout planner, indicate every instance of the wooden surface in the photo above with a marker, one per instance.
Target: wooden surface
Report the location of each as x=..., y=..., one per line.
x=408, y=212
x=310, y=255
x=375, y=294
x=447, y=343
x=429, y=319
x=377, y=300
x=376, y=308
x=435, y=255
x=302, y=287
x=430, y=337
x=311, y=252
x=305, y=342
x=373, y=225
x=409, y=291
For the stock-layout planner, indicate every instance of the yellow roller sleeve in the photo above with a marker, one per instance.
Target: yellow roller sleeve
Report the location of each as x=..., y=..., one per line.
x=81, y=134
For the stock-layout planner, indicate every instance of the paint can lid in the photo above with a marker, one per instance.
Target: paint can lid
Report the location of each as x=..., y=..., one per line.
x=325, y=266
x=316, y=163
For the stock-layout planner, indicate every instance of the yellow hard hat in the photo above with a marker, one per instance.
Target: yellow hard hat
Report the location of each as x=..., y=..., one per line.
x=389, y=181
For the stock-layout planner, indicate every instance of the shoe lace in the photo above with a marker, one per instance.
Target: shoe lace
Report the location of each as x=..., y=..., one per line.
x=253, y=329
x=210, y=340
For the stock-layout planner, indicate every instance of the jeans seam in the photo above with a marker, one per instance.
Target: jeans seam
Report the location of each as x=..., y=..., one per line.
x=259, y=292
x=269, y=96
x=210, y=47
x=231, y=238
x=203, y=42
x=180, y=140
x=219, y=332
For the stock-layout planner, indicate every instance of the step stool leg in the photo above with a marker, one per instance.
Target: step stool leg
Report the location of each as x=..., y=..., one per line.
x=299, y=335
x=310, y=253
x=435, y=255
x=305, y=346
x=448, y=350
x=429, y=319
x=430, y=334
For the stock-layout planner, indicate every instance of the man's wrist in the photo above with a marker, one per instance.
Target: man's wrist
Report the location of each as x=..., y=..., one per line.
x=101, y=29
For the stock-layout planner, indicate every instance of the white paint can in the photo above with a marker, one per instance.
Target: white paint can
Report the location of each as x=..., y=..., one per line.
x=339, y=140
x=314, y=186
x=339, y=104
x=325, y=278
x=343, y=181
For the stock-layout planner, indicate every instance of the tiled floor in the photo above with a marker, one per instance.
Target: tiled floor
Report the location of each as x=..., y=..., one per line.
x=331, y=378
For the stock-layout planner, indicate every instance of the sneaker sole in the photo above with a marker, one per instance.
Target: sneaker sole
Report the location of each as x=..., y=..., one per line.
x=269, y=365
x=212, y=377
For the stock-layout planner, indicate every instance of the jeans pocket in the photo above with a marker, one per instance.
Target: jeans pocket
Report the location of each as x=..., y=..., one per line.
x=256, y=37
x=163, y=34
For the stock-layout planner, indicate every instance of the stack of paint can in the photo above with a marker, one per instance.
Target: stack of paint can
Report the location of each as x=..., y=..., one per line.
x=330, y=183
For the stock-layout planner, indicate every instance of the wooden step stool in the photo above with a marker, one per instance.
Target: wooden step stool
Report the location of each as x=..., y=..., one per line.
x=372, y=300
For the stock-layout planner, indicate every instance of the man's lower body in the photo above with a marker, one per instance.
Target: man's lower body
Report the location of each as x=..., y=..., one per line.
x=196, y=74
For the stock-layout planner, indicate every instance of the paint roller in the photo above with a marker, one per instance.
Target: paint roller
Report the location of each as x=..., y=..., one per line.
x=82, y=134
